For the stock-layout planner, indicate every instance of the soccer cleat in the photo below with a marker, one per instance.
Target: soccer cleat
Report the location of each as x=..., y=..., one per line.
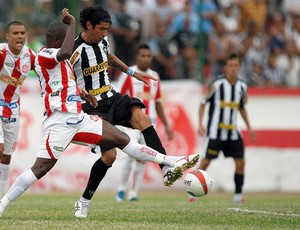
x=2, y=209
x=81, y=209
x=171, y=174
x=238, y=199
x=120, y=196
x=187, y=162
x=134, y=199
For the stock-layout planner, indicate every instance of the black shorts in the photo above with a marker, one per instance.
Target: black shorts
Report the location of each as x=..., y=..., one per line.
x=116, y=109
x=229, y=148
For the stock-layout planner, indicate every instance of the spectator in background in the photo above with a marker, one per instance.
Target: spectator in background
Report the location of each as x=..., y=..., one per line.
x=162, y=12
x=126, y=31
x=208, y=12
x=289, y=63
x=278, y=33
x=254, y=10
x=252, y=48
x=219, y=45
x=142, y=11
x=185, y=28
x=273, y=76
x=165, y=53
x=295, y=33
x=229, y=16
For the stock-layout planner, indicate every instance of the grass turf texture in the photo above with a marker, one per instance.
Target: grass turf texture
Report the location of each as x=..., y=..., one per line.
x=155, y=210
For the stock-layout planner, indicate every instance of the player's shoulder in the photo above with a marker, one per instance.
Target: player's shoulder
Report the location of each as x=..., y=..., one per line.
x=242, y=83
x=217, y=80
x=26, y=50
x=153, y=73
x=78, y=42
x=47, y=51
x=105, y=41
x=3, y=46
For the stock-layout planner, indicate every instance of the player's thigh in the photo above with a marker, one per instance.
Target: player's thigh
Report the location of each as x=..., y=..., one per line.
x=234, y=148
x=113, y=137
x=212, y=148
x=10, y=136
x=56, y=135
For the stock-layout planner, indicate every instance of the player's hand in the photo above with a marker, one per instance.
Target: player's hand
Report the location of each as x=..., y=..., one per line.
x=66, y=17
x=202, y=130
x=252, y=135
x=91, y=99
x=170, y=133
x=144, y=77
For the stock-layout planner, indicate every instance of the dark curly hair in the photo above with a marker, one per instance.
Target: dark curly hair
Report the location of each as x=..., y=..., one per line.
x=95, y=15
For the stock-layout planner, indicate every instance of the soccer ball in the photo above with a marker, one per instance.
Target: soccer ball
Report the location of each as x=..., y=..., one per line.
x=197, y=183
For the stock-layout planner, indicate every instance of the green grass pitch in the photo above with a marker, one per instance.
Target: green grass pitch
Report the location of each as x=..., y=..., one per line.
x=155, y=210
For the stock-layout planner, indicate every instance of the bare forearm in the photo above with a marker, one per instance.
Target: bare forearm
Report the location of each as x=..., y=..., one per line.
x=245, y=118
x=161, y=114
x=116, y=63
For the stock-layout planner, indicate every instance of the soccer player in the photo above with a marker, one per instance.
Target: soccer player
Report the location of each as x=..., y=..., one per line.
x=150, y=95
x=64, y=120
x=227, y=96
x=90, y=59
x=16, y=60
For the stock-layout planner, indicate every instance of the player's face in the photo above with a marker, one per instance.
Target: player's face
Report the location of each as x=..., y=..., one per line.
x=98, y=32
x=144, y=59
x=232, y=67
x=16, y=37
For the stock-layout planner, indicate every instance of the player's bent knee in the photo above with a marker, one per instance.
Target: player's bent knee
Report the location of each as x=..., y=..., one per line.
x=5, y=159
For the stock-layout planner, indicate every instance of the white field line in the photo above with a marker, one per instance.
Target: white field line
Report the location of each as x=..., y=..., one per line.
x=264, y=212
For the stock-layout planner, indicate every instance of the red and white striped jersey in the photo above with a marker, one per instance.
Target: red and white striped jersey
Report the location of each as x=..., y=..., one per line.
x=59, y=89
x=13, y=71
x=148, y=94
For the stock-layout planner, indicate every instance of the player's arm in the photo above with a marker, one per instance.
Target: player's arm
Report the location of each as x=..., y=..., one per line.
x=66, y=49
x=244, y=115
x=91, y=99
x=161, y=114
x=116, y=63
x=202, y=129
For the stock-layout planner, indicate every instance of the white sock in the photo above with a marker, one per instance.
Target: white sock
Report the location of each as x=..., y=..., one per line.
x=138, y=176
x=21, y=184
x=143, y=152
x=4, y=169
x=84, y=200
x=126, y=167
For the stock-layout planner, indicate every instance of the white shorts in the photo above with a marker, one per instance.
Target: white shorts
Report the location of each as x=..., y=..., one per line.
x=61, y=128
x=9, y=129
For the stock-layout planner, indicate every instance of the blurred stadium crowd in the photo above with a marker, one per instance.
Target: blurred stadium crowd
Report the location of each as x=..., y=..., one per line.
x=189, y=38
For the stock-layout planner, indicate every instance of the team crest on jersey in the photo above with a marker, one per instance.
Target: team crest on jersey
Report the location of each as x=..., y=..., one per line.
x=27, y=54
x=25, y=69
x=94, y=118
x=105, y=49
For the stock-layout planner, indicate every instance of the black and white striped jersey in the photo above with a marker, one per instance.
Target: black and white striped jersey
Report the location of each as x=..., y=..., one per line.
x=225, y=101
x=90, y=64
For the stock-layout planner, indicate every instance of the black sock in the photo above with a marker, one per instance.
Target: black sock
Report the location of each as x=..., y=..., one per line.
x=97, y=173
x=153, y=141
x=239, y=181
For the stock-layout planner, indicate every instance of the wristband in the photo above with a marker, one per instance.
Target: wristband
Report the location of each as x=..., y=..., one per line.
x=130, y=72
